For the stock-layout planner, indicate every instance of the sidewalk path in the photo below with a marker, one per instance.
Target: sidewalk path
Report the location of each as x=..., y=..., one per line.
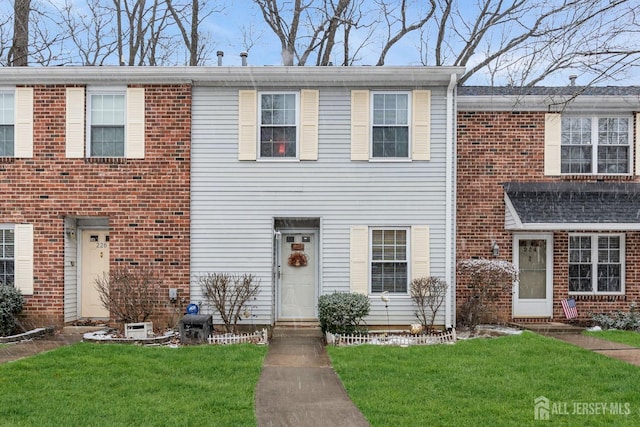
x=14, y=351
x=614, y=350
x=299, y=388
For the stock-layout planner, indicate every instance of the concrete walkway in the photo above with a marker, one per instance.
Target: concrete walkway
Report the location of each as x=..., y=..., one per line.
x=611, y=349
x=15, y=351
x=299, y=388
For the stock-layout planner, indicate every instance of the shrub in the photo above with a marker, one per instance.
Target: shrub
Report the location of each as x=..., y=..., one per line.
x=629, y=321
x=428, y=294
x=130, y=295
x=228, y=294
x=11, y=303
x=342, y=313
x=487, y=280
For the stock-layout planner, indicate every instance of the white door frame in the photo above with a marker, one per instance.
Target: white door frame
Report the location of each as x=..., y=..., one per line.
x=534, y=307
x=279, y=261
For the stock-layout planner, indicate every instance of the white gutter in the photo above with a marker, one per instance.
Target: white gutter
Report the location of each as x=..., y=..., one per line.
x=450, y=212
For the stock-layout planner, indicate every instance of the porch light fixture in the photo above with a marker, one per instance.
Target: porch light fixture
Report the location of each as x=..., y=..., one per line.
x=495, y=249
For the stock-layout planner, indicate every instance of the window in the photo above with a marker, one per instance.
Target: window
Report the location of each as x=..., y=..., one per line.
x=390, y=127
x=595, y=145
x=389, y=260
x=107, y=125
x=7, y=254
x=278, y=125
x=7, y=116
x=595, y=263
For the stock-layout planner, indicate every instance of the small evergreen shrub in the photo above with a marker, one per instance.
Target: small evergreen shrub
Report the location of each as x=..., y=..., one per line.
x=623, y=320
x=11, y=303
x=342, y=313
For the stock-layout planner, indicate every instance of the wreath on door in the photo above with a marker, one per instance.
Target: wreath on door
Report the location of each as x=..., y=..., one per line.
x=298, y=259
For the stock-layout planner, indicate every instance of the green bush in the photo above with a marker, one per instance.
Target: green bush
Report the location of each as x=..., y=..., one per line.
x=11, y=303
x=342, y=313
x=629, y=320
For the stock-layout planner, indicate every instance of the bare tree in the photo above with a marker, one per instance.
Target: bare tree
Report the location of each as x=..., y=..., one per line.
x=91, y=33
x=19, y=51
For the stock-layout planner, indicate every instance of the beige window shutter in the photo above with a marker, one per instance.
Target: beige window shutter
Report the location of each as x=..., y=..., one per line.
x=637, y=143
x=247, y=124
x=24, y=258
x=24, y=122
x=75, y=122
x=359, y=259
x=309, y=100
x=360, y=125
x=419, y=251
x=134, y=140
x=421, y=125
x=552, y=143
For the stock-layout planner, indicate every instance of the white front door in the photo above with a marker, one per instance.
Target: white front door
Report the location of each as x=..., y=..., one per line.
x=533, y=255
x=298, y=276
x=95, y=263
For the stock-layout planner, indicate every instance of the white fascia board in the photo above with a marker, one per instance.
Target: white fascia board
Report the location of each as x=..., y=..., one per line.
x=543, y=226
x=548, y=103
x=250, y=76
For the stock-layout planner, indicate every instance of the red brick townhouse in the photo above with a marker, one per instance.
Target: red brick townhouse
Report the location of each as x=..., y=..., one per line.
x=95, y=174
x=549, y=178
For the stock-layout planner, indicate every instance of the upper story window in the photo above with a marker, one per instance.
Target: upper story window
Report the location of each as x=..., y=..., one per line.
x=389, y=260
x=596, y=263
x=596, y=145
x=390, y=125
x=107, y=124
x=7, y=117
x=7, y=256
x=278, y=125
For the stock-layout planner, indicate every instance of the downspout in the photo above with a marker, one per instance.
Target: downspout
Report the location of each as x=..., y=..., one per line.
x=450, y=200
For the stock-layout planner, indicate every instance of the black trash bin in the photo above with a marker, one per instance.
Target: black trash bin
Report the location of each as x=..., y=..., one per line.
x=195, y=328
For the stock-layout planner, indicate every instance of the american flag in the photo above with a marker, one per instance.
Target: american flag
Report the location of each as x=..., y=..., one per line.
x=569, y=308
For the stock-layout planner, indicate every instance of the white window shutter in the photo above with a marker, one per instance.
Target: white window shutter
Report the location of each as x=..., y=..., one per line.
x=421, y=125
x=419, y=251
x=24, y=122
x=637, y=143
x=247, y=124
x=552, y=142
x=360, y=125
x=134, y=140
x=24, y=258
x=309, y=100
x=75, y=122
x=359, y=259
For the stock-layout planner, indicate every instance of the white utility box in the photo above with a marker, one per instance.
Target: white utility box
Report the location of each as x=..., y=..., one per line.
x=138, y=330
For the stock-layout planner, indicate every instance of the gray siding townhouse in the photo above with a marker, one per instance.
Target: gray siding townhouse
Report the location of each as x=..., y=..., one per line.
x=326, y=179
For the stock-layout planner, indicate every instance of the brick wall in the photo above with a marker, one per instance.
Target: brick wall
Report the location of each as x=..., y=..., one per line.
x=146, y=200
x=498, y=147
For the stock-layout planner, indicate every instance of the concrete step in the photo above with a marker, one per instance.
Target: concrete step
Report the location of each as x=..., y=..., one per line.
x=297, y=329
x=550, y=328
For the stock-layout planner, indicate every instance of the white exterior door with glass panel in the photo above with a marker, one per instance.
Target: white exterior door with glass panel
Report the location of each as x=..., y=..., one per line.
x=95, y=263
x=533, y=255
x=298, y=276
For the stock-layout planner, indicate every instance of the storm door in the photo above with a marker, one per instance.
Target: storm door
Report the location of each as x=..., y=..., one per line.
x=533, y=296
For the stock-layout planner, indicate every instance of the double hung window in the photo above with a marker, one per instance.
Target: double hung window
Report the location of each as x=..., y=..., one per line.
x=389, y=260
x=107, y=124
x=278, y=125
x=596, y=263
x=7, y=256
x=596, y=145
x=390, y=125
x=7, y=128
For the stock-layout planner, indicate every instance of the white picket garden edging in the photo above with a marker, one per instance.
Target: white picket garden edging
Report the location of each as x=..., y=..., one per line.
x=402, y=339
x=257, y=337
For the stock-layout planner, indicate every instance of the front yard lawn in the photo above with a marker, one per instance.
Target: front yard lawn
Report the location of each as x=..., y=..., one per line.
x=125, y=385
x=631, y=338
x=488, y=382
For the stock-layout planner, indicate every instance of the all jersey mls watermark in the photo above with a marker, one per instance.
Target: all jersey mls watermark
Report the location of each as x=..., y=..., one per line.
x=545, y=409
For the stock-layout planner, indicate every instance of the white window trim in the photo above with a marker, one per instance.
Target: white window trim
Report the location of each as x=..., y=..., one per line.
x=595, y=144
x=372, y=95
x=407, y=260
x=259, y=127
x=594, y=262
x=90, y=91
x=11, y=91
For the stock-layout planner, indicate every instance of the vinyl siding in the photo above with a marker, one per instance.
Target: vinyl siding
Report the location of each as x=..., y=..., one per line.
x=234, y=202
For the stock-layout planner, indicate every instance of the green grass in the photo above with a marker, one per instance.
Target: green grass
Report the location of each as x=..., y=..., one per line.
x=121, y=385
x=490, y=382
x=625, y=337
